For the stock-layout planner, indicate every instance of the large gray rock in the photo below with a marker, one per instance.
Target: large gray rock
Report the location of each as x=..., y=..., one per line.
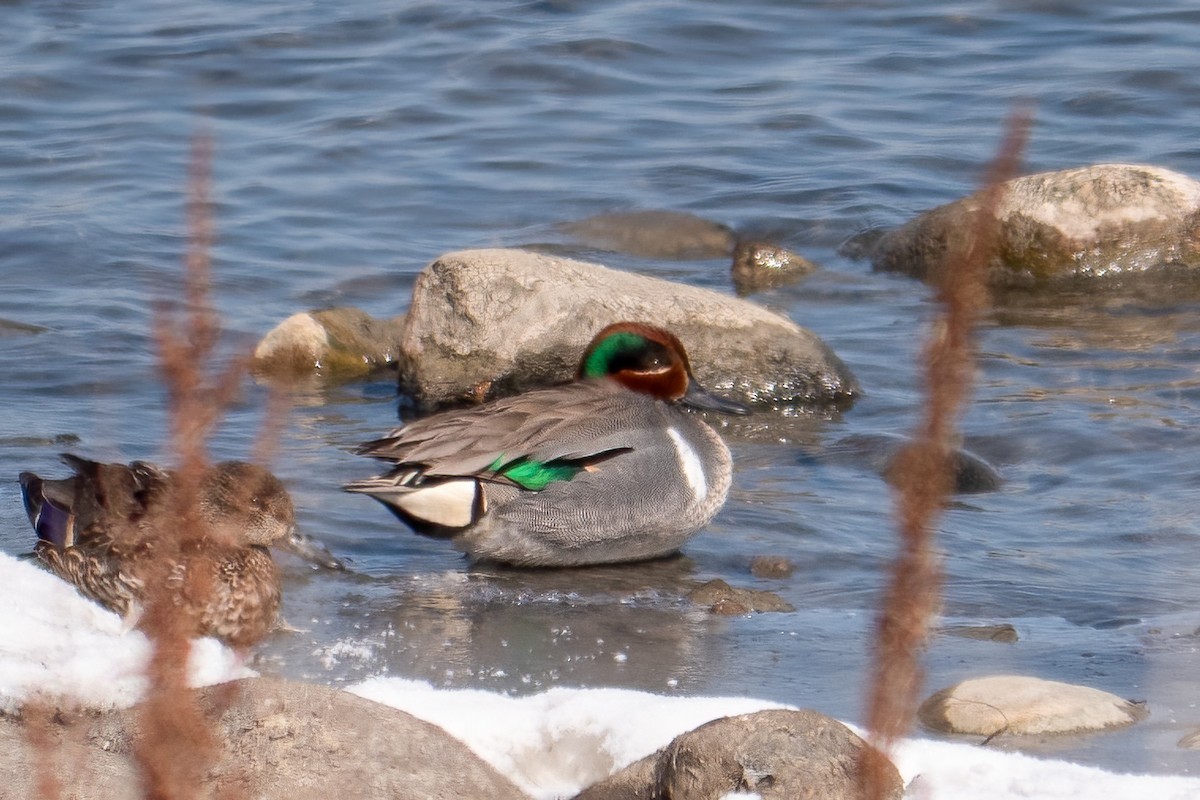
x=279, y=741
x=1056, y=227
x=486, y=323
x=774, y=754
x=1020, y=705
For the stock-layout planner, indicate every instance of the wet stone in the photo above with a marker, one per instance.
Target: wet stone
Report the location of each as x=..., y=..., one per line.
x=985, y=633
x=771, y=567
x=760, y=265
x=340, y=343
x=721, y=598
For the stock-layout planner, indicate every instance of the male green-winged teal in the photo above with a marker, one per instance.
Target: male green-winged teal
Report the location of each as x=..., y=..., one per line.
x=100, y=528
x=604, y=469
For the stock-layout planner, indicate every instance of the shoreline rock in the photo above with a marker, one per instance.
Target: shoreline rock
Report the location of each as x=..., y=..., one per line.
x=318, y=742
x=285, y=740
x=777, y=753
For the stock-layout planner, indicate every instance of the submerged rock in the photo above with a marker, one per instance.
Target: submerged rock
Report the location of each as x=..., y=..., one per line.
x=757, y=265
x=1097, y=221
x=774, y=754
x=12, y=327
x=487, y=323
x=771, y=567
x=882, y=452
x=277, y=740
x=1020, y=705
x=1003, y=632
x=1190, y=741
x=721, y=598
x=654, y=234
x=339, y=342
x=760, y=265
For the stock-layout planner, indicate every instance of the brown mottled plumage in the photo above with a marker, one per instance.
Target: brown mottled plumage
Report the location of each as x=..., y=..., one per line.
x=101, y=530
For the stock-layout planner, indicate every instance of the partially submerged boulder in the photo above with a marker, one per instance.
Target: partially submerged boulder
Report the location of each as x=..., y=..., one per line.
x=1104, y=220
x=486, y=323
x=12, y=327
x=772, y=567
x=721, y=598
x=339, y=343
x=777, y=753
x=1020, y=705
x=884, y=453
x=757, y=265
x=277, y=740
x=654, y=234
x=762, y=265
x=1001, y=632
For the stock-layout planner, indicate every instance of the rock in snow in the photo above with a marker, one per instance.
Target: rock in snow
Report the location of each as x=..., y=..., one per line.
x=1017, y=705
x=778, y=753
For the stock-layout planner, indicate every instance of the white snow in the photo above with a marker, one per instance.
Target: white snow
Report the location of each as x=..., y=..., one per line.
x=555, y=743
x=56, y=642
x=552, y=744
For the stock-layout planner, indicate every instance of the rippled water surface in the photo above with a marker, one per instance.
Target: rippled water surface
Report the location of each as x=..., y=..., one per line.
x=356, y=141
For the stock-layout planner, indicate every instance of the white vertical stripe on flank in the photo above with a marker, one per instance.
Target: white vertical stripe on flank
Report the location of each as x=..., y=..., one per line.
x=689, y=462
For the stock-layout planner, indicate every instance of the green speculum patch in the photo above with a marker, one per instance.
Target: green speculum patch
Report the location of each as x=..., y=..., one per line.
x=534, y=475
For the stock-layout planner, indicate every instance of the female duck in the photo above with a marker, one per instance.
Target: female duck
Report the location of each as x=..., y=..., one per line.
x=607, y=468
x=100, y=530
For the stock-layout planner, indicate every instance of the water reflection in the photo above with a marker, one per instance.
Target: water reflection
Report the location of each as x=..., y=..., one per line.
x=517, y=630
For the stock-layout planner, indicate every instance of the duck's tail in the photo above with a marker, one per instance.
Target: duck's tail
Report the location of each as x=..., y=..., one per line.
x=439, y=508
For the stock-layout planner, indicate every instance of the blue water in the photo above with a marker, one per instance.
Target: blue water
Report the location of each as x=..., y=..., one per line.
x=356, y=141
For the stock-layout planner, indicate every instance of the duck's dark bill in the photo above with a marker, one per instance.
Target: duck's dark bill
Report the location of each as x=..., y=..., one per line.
x=698, y=397
x=310, y=550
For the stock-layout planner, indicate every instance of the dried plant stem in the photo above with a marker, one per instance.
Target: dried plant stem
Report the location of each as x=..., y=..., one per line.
x=912, y=596
x=38, y=717
x=176, y=743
